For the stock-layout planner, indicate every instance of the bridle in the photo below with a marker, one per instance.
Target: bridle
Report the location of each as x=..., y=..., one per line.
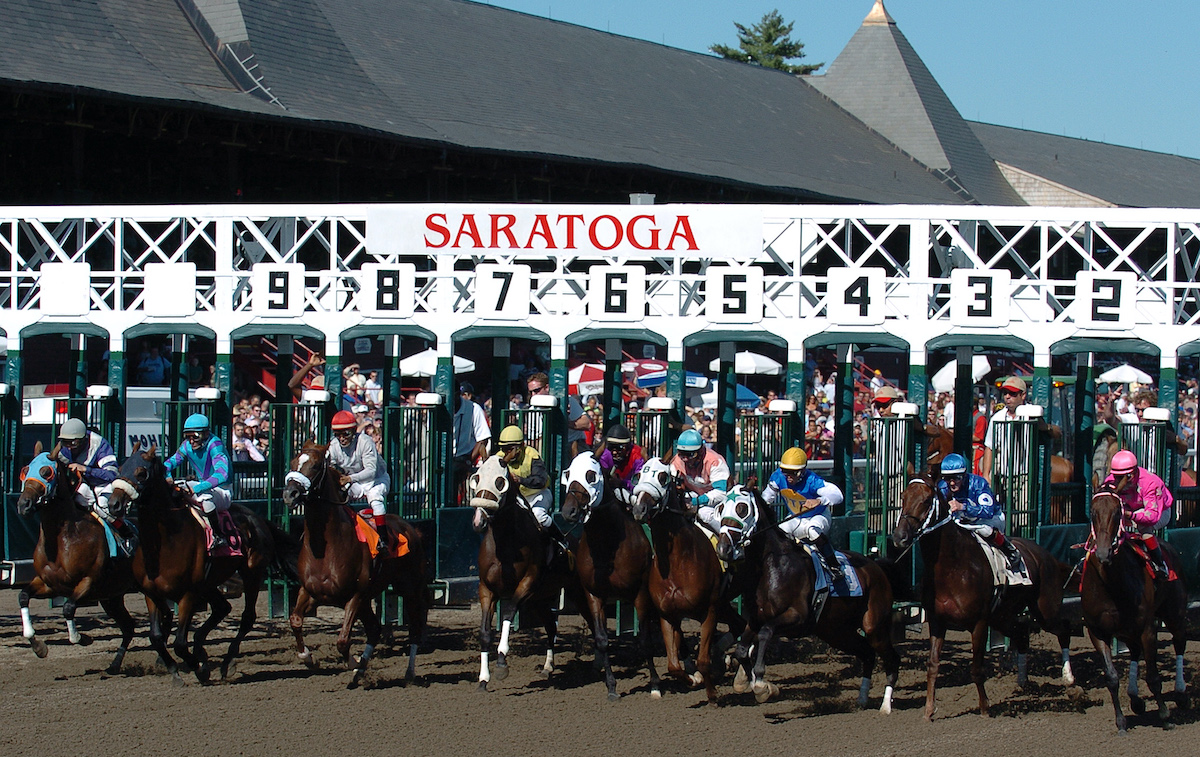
x=306, y=485
x=1119, y=533
x=929, y=524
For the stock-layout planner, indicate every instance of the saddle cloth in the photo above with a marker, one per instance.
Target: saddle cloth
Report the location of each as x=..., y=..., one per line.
x=1001, y=575
x=364, y=528
x=1140, y=547
x=850, y=586
x=115, y=548
x=228, y=530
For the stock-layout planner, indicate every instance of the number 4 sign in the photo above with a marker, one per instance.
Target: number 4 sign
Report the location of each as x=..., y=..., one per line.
x=855, y=296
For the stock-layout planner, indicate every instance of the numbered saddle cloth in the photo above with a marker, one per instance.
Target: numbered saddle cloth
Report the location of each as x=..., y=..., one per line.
x=229, y=530
x=116, y=545
x=364, y=528
x=849, y=586
x=1001, y=575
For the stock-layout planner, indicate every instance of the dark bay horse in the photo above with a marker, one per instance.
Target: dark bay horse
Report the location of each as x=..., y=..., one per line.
x=173, y=564
x=613, y=559
x=336, y=569
x=957, y=589
x=685, y=580
x=1121, y=600
x=781, y=581
x=72, y=557
x=512, y=567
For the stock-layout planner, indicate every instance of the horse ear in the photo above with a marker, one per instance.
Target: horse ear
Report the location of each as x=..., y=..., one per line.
x=150, y=452
x=54, y=452
x=37, y=449
x=136, y=446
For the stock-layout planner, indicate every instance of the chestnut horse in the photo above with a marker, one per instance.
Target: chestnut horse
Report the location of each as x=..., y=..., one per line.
x=613, y=559
x=957, y=589
x=336, y=569
x=512, y=567
x=685, y=580
x=781, y=582
x=72, y=557
x=1121, y=599
x=173, y=564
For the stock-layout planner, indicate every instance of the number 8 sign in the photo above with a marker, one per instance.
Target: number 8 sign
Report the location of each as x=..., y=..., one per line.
x=855, y=296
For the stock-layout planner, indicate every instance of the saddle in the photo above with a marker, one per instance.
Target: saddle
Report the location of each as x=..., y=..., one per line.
x=228, y=529
x=1001, y=575
x=1139, y=547
x=364, y=529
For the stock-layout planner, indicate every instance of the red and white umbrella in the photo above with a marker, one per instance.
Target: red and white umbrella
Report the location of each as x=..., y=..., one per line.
x=646, y=372
x=587, y=378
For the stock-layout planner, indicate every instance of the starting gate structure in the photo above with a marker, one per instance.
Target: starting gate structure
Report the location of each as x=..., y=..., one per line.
x=1021, y=471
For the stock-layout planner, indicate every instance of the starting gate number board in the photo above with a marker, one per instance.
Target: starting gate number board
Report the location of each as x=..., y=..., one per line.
x=278, y=288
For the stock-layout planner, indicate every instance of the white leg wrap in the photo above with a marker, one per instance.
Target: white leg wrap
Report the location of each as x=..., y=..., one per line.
x=26, y=624
x=502, y=647
x=304, y=654
x=484, y=674
x=1180, y=685
x=864, y=688
x=72, y=632
x=1133, y=688
x=886, y=708
x=1067, y=674
x=549, y=661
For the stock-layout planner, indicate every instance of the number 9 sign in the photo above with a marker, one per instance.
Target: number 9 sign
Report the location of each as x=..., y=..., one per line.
x=855, y=296
x=277, y=289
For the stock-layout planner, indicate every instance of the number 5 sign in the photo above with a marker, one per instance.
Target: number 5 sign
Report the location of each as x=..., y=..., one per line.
x=855, y=296
x=734, y=294
x=502, y=291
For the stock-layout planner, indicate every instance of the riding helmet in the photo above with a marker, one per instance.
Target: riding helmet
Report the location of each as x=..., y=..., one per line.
x=511, y=435
x=689, y=441
x=1124, y=462
x=953, y=464
x=72, y=429
x=618, y=434
x=196, y=422
x=342, y=420
x=794, y=459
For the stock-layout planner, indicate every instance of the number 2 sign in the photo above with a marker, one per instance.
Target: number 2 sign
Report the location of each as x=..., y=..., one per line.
x=1105, y=300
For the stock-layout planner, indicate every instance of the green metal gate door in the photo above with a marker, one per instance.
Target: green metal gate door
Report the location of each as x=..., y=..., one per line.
x=761, y=442
x=1021, y=474
x=889, y=453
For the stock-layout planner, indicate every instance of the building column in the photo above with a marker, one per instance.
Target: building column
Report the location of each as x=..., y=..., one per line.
x=796, y=382
x=727, y=403
x=1039, y=393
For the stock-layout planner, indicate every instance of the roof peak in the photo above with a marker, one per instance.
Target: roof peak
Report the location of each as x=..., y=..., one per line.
x=878, y=16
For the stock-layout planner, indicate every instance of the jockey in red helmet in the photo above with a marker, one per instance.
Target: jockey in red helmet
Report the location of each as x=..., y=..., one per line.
x=355, y=455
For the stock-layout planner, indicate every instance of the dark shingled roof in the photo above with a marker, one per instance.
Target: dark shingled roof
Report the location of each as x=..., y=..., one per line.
x=474, y=76
x=881, y=80
x=1121, y=175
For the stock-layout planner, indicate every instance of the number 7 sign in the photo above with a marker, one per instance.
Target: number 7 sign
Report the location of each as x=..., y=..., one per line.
x=502, y=291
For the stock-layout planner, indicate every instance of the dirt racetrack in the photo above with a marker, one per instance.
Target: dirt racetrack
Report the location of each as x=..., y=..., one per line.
x=274, y=705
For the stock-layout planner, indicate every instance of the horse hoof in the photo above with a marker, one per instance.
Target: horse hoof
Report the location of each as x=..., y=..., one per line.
x=696, y=679
x=483, y=686
x=39, y=647
x=741, y=681
x=177, y=680
x=228, y=671
x=1138, y=705
x=500, y=673
x=613, y=696
x=113, y=669
x=764, y=690
x=1168, y=725
x=84, y=640
x=655, y=694
x=545, y=672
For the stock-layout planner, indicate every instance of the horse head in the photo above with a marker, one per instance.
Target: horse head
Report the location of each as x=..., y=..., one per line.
x=654, y=486
x=584, y=482
x=134, y=475
x=1108, y=522
x=739, y=522
x=306, y=474
x=491, y=486
x=39, y=481
x=919, y=503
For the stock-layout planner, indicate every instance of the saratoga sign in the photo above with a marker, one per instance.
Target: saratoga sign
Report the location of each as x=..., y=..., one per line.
x=506, y=230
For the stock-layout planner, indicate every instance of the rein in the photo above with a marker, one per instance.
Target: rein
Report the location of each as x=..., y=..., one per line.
x=927, y=526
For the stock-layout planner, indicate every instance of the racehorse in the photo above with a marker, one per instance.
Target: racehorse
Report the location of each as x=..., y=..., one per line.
x=336, y=568
x=512, y=567
x=781, y=582
x=957, y=589
x=1120, y=599
x=72, y=557
x=173, y=564
x=613, y=559
x=685, y=579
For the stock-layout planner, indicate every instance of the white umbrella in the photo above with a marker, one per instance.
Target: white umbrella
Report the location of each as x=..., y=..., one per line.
x=1124, y=374
x=943, y=380
x=424, y=364
x=751, y=362
x=586, y=378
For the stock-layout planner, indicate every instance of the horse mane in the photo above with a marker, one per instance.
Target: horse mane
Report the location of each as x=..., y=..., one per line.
x=766, y=513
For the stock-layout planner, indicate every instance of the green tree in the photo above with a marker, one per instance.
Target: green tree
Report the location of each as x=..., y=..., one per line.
x=768, y=44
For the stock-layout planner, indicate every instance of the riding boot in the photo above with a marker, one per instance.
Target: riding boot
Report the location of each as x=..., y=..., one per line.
x=829, y=556
x=219, y=540
x=1157, y=562
x=1009, y=549
x=386, y=541
x=557, y=544
x=127, y=536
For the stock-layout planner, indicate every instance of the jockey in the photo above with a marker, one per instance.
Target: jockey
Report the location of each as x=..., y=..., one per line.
x=91, y=457
x=705, y=477
x=1146, y=502
x=810, y=497
x=356, y=456
x=209, y=461
x=974, y=507
x=527, y=469
x=622, y=459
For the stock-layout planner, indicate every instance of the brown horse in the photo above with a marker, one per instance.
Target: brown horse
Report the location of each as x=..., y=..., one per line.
x=613, y=559
x=72, y=557
x=685, y=580
x=173, y=564
x=782, y=581
x=337, y=569
x=512, y=567
x=957, y=589
x=1120, y=599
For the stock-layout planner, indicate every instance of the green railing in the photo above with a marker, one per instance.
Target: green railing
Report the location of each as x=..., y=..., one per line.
x=417, y=456
x=1020, y=474
x=760, y=443
x=651, y=430
x=889, y=454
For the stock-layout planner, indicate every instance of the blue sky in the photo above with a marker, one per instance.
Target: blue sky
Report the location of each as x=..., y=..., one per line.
x=1119, y=72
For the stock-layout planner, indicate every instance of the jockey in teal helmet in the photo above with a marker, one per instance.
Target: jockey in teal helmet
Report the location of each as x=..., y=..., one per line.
x=210, y=463
x=705, y=477
x=974, y=506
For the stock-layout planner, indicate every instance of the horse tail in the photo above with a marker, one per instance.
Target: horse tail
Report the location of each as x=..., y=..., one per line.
x=279, y=545
x=901, y=589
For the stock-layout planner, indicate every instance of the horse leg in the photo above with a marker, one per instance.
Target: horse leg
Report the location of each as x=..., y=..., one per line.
x=115, y=607
x=416, y=611
x=978, y=648
x=352, y=609
x=304, y=604
x=937, y=637
x=37, y=588
x=595, y=608
x=1177, y=625
x=373, y=628
x=672, y=639
x=877, y=629
x=550, y=624
x=159, y=630
x=1136, y=703
x=645, y=614
x=184, y=613
x=704, y=655
x=1153, y=674
x=1020, y=639
x=218, y=609
x=487, y=611
x=1053, y=620
x=1112, y=678
x=81, y=590
x=763, y=689
x=745, y=645
x=507, y=612
x=251, y=581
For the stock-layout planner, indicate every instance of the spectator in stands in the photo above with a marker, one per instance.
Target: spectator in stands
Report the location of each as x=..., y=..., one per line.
x=360, y=416
x=245, y=445
x=153, y=368
x=318, y=381
x=354, y=383
x=374, y=390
